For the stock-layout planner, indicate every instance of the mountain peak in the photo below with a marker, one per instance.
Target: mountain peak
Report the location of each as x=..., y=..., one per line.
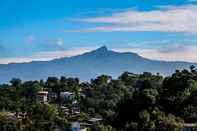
x=101, y=49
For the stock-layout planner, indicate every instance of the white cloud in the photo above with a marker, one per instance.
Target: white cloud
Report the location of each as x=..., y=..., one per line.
x=176, y=52
x=55, y=43
x=165, y=19
x=45, y=56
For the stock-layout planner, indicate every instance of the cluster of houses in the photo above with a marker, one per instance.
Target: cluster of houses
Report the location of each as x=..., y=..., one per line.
x=67, y=103
x=69, y=106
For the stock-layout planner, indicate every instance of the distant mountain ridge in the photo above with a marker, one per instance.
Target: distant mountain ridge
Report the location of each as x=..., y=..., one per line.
x=89, y=65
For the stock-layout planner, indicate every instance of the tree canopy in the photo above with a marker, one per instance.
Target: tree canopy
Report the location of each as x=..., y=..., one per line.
x=131, y=102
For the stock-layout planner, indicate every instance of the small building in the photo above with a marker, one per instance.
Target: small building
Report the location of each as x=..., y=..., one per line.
x=75, y=109
x=69, y=104
x=42, y=96
x=95, y=120
x=67, y=97
x=70, y=110
x=52, y=96
x=76, y=126
x=189, y=127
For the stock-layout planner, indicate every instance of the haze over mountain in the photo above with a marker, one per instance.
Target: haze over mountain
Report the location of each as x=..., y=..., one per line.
x=89, y=65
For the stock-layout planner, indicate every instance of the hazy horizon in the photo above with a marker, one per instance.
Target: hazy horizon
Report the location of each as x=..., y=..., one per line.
x=48, y=56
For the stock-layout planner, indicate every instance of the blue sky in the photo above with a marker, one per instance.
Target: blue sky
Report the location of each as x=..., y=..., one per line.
x=47, y=29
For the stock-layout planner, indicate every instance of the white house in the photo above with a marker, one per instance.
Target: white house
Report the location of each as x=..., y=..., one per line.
x=42, y=96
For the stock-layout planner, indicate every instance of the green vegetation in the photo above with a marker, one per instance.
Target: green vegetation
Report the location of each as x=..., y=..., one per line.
x=141, y=102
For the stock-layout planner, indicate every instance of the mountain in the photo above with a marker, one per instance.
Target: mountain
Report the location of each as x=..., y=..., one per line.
x=89, y=65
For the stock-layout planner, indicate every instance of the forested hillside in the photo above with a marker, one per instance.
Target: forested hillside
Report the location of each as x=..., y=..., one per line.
x=141, y=102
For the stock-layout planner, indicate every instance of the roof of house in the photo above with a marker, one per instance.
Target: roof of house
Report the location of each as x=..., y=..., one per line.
x=95, y=119
x=43, y=92
x=190, y=125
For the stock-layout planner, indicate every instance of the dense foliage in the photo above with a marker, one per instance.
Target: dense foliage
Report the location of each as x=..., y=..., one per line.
x=131, y=102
